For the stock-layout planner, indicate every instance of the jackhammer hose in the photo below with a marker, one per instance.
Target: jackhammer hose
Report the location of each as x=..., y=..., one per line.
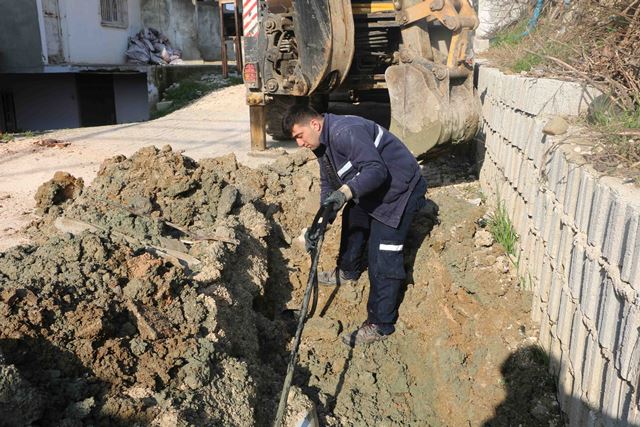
x=317, y=228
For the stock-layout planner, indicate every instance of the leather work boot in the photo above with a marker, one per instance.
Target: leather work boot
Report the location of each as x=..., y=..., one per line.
x=365, y=334
x=330, y=278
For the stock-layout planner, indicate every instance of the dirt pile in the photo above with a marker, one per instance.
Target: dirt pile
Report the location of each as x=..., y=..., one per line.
x=108, y=331
x=170, y=299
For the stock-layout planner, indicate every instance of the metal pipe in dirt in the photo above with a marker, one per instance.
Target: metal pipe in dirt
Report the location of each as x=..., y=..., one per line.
x=320, y=225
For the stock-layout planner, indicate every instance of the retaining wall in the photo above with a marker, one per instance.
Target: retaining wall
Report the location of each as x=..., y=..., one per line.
x=579, y=244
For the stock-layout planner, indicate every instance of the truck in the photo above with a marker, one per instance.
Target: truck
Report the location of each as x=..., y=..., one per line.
x=416, y=52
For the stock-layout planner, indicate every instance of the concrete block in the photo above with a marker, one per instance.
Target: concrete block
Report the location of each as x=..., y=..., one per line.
x=625, y=403
x=600, y=207
x=552, y=168
x=578, y=413
x=614, y=230
x=565, y=320
x=540, y=212
x=611, y=390
x=538, y=261
x=572, y=190
x=555, y=355
x=634, y=410
x=552, y=222
x=590, y=364
x=547, y=224
x=555, y=297
x=609, y=321
x=599, y=373
x=578, y=346
x=593, y=286
x=560, y=97
x=553, y=234
x=546, y=279
x=628, y=347
x=576, y=271
x=561, y=180
x=537, y=142
x=566, y=245
x=565, y=388
x=585, y=200
x=630, y=245
x=545, y=334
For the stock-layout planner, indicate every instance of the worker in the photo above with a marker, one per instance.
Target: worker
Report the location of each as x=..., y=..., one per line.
x=367, y=169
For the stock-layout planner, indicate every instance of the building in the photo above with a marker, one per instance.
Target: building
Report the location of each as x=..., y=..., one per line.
x=63, y=63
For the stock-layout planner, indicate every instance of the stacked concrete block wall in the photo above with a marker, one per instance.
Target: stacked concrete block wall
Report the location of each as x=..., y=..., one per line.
x=579, y=243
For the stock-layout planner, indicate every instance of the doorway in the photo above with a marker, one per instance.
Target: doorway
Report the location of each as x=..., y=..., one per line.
x=96, y=99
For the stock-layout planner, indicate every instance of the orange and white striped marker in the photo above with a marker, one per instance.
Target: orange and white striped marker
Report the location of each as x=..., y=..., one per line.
x=250, y=17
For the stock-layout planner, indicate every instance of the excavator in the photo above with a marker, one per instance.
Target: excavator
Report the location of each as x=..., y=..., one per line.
x=416, y=52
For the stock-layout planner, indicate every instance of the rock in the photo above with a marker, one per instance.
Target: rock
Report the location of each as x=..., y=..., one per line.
x=556, y=126
x=483, y=238
x=61, y=188
x=502, y=265
x=227, y=200
x=301, y=411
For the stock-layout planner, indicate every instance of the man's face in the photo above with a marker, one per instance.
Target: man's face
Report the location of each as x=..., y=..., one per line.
x=307, y=135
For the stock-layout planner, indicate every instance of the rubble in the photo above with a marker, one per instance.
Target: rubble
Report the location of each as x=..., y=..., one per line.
x=150, y=46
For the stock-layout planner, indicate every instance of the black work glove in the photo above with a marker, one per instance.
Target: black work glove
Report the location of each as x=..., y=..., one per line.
x=310, y=241
x=336, y=200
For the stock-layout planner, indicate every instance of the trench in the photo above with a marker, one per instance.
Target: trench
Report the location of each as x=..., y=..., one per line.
x=98, y=329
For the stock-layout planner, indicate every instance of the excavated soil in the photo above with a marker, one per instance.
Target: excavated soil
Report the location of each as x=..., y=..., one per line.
x=166, y=293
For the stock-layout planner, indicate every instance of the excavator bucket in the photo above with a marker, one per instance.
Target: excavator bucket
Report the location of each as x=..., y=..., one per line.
x=427, y=110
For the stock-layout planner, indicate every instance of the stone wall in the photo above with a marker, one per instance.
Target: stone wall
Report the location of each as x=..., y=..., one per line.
x=579, y=243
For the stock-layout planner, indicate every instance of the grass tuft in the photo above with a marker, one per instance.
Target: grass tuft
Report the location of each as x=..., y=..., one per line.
x=502, y=229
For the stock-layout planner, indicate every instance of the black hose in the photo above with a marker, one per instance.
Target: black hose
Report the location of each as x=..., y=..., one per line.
x=316, y=231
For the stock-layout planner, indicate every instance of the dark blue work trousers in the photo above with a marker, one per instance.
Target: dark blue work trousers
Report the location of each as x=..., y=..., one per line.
x=385, y=255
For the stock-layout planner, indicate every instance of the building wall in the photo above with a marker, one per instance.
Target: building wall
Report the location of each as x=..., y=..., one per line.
x=579, y=237
x=132, y=103
x=176, y=19
x=86, y=41
x=20, y=41
x=195, y=30
x=209, y=31
x=43, y=101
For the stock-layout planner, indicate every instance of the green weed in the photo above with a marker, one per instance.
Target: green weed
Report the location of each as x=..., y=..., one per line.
x=510, y=36
x=7, y=137
x=526, y=62
x=502, y=229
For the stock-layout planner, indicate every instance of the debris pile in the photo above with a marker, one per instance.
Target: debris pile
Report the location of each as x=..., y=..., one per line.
x=150, y=46
x=105, y=329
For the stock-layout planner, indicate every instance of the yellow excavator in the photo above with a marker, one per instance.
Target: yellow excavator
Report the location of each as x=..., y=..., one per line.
x=416, y=51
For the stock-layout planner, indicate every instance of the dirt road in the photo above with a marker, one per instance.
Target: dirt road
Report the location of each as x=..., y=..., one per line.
x=215, y=125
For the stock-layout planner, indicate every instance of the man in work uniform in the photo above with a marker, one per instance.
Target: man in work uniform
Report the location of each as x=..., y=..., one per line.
x=368, y=169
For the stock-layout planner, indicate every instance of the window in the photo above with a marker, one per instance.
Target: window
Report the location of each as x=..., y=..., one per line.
x=114, y=13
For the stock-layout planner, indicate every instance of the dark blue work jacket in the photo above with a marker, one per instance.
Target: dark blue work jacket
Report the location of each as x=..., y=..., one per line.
x=378, y=168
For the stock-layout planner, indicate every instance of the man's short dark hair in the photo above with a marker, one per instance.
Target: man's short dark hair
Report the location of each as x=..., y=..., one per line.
x=298, y=114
